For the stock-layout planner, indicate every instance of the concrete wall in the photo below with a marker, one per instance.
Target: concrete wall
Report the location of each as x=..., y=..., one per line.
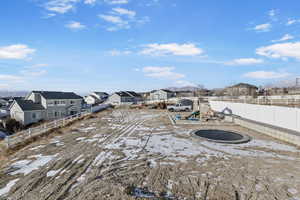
x=280, y=134
x=283, y=117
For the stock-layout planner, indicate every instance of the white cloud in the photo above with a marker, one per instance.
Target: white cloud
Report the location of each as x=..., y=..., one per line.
x=40, y=65
x=281, y=50
x=121, y=18
x=112, y=19
x=123, y=11
x=272, y=13
x=116, y=1
x=245, y=61
x=162, y=73
x=4, y=86
x=266, y=75
x=263, y=27
x=75, y=25
x=187, y=49
x=17, y=51
x=91, y=2
x=60, y=6
x=284, y=38
x=117, y=21
x=118, y=52
x=291, y=21
x=33, y=72
x=13, y=78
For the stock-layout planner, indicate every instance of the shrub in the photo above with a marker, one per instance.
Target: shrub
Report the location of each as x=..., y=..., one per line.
x=13, y=125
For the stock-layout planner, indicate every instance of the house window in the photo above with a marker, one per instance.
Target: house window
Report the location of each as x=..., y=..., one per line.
x=56, y=102
x=56, y=114
x=33, y=115
x=63, y=102
x=72, y=102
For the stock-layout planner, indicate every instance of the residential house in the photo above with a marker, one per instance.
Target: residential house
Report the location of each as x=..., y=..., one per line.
x=184, y=94
x=125, y=98
x=242, y=89
x=294, y=90
x=162, y=94
x=3, y=102
x=27, y=112
x=96, y=97
x=45, y=105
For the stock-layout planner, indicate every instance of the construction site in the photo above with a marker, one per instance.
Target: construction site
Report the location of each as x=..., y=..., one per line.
x=146, y=153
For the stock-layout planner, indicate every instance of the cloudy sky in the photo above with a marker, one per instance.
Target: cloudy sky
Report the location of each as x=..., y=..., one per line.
x=108, y=45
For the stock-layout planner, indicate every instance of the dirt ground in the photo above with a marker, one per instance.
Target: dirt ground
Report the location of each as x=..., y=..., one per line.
x=139, y=154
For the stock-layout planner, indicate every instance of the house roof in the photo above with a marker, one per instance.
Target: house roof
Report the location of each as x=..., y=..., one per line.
x=28, y=105
x=134, y=94
x=101, y=93
x=244, y=85
x=58, y=95
x=168, y=91
x=128, y=94
x=122, y=94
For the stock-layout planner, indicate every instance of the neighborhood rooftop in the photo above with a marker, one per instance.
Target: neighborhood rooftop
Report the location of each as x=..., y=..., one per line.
x=58, y=95
x=28, y=105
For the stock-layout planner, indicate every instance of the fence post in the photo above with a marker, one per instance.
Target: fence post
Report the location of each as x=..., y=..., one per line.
x=7, y=141
x=29, y=132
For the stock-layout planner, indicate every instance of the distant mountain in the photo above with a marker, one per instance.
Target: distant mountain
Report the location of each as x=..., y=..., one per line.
x=4, y=93
x=186, y=88
x=284, y=83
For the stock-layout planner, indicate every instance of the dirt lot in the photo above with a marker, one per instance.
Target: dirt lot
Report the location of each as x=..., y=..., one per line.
x=136, y=154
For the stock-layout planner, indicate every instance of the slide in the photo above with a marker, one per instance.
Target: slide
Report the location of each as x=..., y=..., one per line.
x=195, y=115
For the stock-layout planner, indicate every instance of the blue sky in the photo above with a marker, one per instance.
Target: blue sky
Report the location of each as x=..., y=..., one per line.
x=109, y=45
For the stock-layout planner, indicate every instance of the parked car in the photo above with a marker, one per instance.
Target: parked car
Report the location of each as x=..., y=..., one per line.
x=178, y=108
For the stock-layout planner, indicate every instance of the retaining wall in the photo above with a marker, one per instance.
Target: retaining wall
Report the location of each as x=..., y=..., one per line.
x=284, y=117
x=278, y=122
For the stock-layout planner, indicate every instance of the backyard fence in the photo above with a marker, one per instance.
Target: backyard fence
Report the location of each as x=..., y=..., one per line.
x=267, y=101
x=17, y=138
x=284, y=117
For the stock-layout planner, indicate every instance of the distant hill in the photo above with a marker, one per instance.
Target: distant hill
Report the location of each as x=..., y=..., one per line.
x=283, y=83
x=4, y=93
x=186, y=88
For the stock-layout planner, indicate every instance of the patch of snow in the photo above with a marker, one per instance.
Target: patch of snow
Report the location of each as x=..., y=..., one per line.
x=26, y=167
x=80, y=138
x=101, y=158
x=52, y=173
x=8, y=186
x=37, y=147
x=87, y=129
x=292, y=191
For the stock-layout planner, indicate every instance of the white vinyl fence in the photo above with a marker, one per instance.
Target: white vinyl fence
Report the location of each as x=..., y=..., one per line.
x=21, y=136
x=284, y=117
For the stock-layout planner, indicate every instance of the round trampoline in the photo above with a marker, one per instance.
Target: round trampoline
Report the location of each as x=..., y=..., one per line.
x=221, y=136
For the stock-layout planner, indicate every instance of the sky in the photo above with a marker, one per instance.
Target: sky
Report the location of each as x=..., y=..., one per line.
x=112, y=45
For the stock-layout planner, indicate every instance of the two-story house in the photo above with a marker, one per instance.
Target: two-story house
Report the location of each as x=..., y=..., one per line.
x=162, y=94
x=45, y=105
x=125, y=98
x=96, y=97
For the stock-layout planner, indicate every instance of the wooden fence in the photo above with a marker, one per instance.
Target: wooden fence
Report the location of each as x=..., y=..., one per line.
x=17, y=138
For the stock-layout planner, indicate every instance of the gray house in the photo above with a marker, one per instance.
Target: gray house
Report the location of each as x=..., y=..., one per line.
x=45, y=105
x=27, y=112
x=125, y=98
x=162, y=94
x=96, y=97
